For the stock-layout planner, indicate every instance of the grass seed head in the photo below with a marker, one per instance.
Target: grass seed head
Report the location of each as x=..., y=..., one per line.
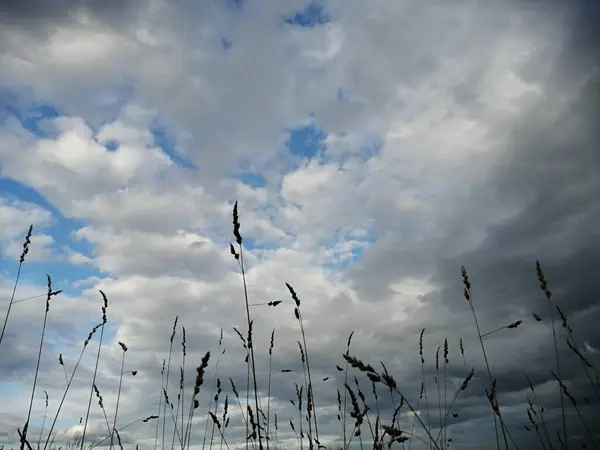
x=174, y=327
x=236, y=224
x=26, y=244
x=421, y=346
x=542, y=280
x=469, y=377
x=104, y=306
x=294, y=295
x=515, y=324
x=446, y=351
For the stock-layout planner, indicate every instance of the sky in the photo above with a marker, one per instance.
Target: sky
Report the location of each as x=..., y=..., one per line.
x=373, y=148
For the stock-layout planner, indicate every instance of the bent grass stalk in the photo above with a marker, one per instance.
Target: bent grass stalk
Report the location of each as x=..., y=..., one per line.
x=101, y=405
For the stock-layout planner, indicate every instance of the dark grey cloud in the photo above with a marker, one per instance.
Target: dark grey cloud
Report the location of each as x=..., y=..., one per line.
x=548, y=174
x=42, y=13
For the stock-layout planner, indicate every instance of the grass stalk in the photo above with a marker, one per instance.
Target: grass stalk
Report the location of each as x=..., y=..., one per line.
x=271, y=344
x=114, y=427
x=87, y=414
x=12, y=297
x=160, y=399
x=62, y=400
x=548, y=294
x=166, y=386
x=238, y=237
x=39, y=357
x=468, y=295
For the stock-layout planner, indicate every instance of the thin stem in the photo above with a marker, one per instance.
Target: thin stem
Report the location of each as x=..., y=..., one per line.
x=211, y=398
x=12, y=297
x=43, y=421
x=417, y=416
x=118, y=397
x=183, y=384
x=37, y=366
x=489, y=371
x=166, y=387
x=251, y=347
x=145, y=419
x=269, y=385
x=160, y=397
x=87, y=415
x=548, y=294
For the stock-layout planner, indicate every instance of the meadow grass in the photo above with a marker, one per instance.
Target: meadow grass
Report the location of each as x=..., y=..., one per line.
x=362, y=420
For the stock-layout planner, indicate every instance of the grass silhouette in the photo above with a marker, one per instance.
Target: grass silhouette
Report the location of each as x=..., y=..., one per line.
x=361, y=418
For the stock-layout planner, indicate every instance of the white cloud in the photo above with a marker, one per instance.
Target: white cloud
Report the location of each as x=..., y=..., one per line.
x=16, y=217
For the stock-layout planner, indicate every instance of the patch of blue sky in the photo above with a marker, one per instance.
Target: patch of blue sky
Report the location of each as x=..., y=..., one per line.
x=254, y=180
x=64, y=275
x=311, y=15
x=348, y=246
x=34, y=113
x=13, y=190
x=340, y=262
x=251, y=243
x=112, y=145
x=61, y=229
x=306, y=141
x=33, y=116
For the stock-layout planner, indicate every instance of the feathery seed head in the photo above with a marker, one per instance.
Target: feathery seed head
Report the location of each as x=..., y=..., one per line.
x=236, y=225
x=294, y=295
x=50, y=293
x=104, y=306
x=26, y=244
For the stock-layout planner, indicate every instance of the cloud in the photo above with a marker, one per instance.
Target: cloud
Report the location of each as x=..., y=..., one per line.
x=373, y=149
x=18, y=215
